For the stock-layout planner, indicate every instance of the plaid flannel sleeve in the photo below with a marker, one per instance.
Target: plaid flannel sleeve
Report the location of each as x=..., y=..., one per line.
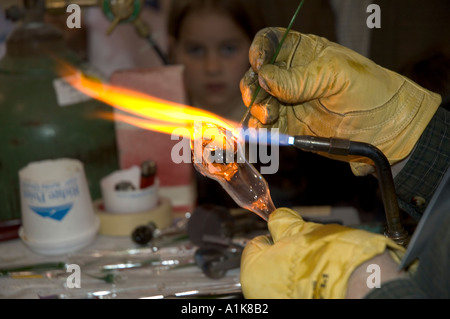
x=415, y=186
x=419, y=178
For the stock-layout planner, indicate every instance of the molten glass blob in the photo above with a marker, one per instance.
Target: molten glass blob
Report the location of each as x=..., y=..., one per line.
x=218, y=155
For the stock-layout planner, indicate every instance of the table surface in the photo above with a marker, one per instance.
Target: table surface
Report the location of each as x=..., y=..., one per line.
x=157, y=281
x=141, y=282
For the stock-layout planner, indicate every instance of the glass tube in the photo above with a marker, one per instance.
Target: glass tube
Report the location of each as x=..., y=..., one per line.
x=218, y=155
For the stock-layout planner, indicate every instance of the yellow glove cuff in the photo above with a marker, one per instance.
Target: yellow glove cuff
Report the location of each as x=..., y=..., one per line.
x=304, y=259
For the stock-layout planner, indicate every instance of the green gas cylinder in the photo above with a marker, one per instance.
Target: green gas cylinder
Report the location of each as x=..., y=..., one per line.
x=35, y=126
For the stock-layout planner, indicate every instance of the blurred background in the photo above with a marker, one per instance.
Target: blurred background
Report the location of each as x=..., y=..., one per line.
x=412, y=40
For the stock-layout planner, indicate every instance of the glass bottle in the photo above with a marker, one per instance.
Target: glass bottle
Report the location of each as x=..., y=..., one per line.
x=235, y=174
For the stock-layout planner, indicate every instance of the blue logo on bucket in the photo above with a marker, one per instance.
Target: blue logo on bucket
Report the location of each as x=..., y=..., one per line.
x=55, y=212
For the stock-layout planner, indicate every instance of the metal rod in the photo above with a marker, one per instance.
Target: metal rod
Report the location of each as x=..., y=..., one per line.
x=158, y=50
x=272, y=60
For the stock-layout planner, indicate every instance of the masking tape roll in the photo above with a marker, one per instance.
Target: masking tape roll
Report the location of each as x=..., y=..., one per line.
x=124, y=224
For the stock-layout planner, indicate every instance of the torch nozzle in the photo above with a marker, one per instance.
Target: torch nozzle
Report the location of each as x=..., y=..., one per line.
x=331, y=145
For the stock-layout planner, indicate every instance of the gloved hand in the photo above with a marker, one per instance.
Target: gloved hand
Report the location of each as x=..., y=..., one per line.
x=305, y=260
x=317, y=87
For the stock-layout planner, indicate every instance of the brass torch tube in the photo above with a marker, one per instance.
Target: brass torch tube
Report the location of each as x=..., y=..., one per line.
x=395, y=229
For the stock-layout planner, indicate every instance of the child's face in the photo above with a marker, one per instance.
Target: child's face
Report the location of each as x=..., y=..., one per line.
x=214, y=51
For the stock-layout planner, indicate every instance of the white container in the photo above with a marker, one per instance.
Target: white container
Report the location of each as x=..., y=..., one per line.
x=128, y=201
x=57, y=211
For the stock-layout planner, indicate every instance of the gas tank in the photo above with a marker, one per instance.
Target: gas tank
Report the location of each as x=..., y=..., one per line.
x=36, y=125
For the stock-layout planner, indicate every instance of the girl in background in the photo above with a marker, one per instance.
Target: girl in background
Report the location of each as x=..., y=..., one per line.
x=211, y=38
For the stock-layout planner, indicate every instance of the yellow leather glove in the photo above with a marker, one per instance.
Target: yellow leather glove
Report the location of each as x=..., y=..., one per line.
x=317, y=87
x=304, y=260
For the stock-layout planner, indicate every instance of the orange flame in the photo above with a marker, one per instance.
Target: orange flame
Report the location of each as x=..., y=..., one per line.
x=144, y=111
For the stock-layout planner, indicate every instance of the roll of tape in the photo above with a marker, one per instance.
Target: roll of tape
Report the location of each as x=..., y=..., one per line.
x=124, y=224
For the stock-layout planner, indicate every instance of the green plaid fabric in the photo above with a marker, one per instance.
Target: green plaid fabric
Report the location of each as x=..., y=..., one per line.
x=419, y=178
x=397, y=289
x=417, y=181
